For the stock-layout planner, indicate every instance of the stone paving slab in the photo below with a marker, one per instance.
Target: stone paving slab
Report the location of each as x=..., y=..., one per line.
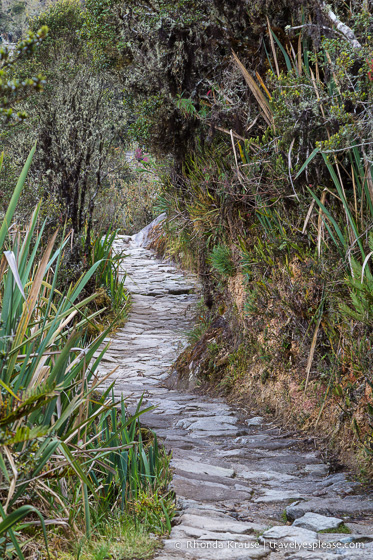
x=233, y=479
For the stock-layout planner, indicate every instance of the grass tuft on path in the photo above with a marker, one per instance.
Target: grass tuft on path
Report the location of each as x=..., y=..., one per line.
x=121, y=539
x=341, y=529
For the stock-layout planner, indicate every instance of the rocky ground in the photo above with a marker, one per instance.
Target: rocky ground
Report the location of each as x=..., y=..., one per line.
x=245, y=489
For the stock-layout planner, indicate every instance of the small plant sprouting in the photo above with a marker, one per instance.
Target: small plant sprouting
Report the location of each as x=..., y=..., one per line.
x=341, y=529
x=284, y=516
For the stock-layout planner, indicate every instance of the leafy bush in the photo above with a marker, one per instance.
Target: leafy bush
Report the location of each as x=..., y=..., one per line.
x=79, y=124
x=361, y=292
x=13, y=89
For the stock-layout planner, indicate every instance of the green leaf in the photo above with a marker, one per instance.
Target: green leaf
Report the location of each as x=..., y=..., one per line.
x=24, y=433
x=289, y=66
x=15, y=197
x=87, y=517
x=345, y=204
x=167, y=517
x=11, y=519
x=308, y=160
x=74, y=463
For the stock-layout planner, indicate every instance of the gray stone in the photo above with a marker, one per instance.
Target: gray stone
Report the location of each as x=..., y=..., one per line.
x=317, y=522
x=256, y=421
x=217, y=524
x=214, y=550
x=317, y=470
x=210, y=424
x=202, y=468
x=317, y=554
x=187, y=504
x=289, y=534
x=364, y=552
x=203, y=512
x=142, y=238
x=265, y=476
x=277, y=496
x=207, y=491
x=353, y=506
x=182, y=531
x=226, y=431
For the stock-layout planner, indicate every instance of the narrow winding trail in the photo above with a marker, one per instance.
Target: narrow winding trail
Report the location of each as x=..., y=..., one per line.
x=233, y=478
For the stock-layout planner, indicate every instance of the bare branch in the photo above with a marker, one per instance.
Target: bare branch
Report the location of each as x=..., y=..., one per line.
x=342, y=27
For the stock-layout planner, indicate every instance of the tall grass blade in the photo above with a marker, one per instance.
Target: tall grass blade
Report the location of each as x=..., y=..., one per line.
x=15, y=197
x=273, y=48
x=87, y=517
x=341, y=193
x=10, y=257
x=332, y=220
x=308, y=160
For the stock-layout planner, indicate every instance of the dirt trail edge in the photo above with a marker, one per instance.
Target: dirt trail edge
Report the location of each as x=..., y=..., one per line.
x=244, y=490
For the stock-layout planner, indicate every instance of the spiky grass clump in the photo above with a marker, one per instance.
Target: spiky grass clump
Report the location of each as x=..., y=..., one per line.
x=221, y=260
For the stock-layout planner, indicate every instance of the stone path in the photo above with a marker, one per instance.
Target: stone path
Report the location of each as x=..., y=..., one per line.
x=237, y=481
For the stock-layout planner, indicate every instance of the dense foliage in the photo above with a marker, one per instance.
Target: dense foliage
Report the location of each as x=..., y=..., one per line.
x=264, y=110
x=64, y=447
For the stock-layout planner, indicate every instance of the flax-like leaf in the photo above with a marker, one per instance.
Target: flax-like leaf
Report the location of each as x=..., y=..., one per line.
x=15, y=517
x=29, y=305
x=15, y=197
x=255, y=91
x=10, y=257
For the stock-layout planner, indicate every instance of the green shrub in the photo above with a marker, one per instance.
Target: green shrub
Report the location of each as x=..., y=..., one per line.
x=64, y=445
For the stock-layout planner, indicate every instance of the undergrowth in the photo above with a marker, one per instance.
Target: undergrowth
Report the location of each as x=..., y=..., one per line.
x=71, y=456
x=119, y=539
x=277, y=221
